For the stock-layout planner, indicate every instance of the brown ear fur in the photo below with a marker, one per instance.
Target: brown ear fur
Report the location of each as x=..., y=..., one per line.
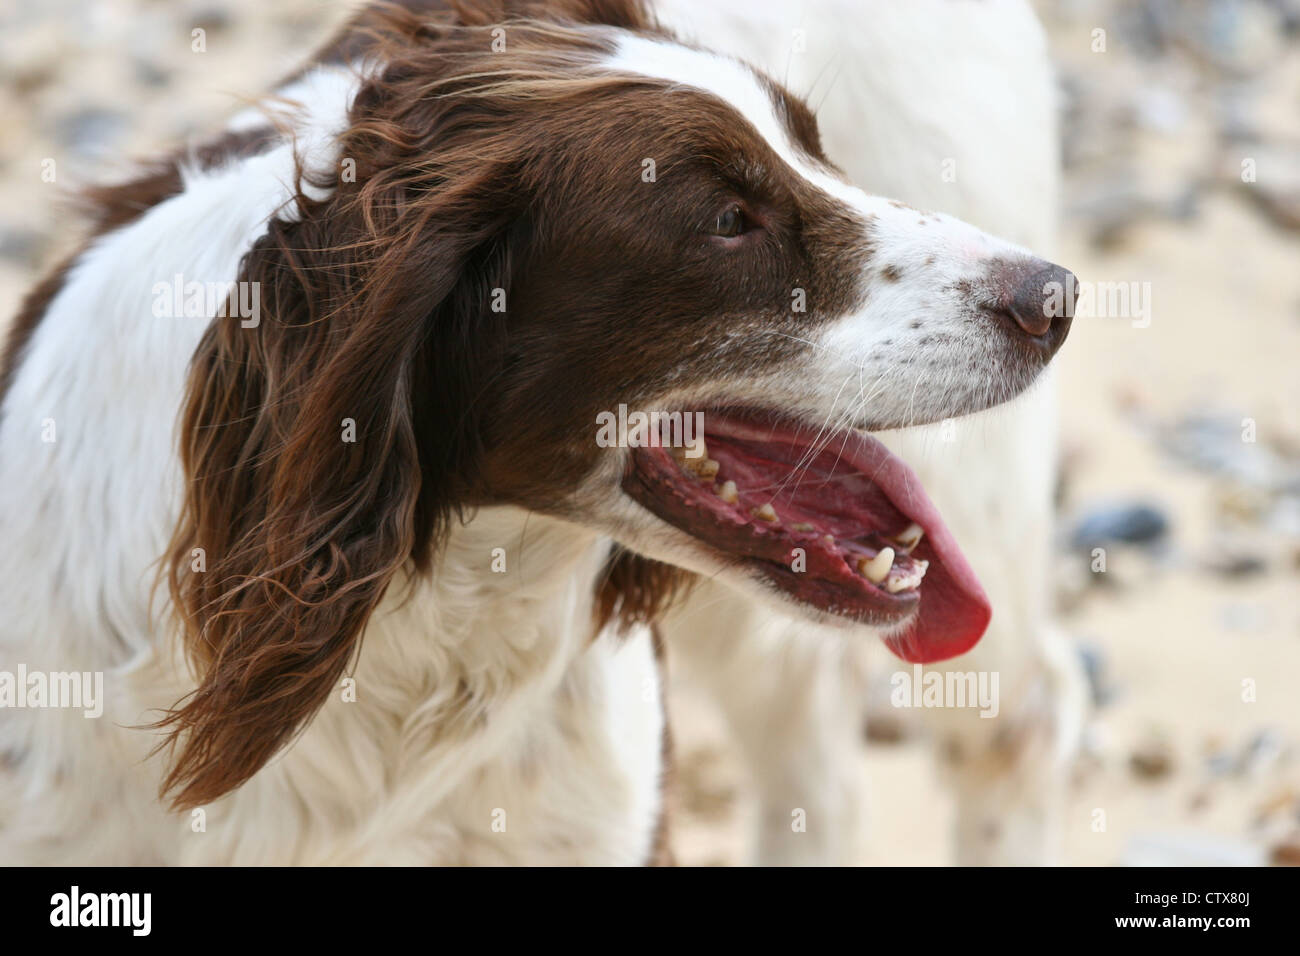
x=373, y=309
x=635, y=589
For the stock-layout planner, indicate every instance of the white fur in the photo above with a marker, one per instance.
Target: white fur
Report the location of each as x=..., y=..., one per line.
x=486, y=726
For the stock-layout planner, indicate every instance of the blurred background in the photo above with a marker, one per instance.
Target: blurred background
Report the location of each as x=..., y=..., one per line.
x=1181, y=440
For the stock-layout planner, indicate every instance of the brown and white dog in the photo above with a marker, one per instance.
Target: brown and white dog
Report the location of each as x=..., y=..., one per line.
x=448, y=250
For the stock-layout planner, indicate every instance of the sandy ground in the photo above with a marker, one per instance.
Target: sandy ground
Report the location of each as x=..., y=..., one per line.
x=1183, y=767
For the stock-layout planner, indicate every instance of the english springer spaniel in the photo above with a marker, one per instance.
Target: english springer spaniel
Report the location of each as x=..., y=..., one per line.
x=341, y=373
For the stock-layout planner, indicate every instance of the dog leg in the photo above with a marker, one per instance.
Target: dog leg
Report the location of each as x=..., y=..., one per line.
x=1009, y=783
x=1007, y=769
x=791, y=695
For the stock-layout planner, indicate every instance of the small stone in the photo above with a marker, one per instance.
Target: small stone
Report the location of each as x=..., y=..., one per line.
x=1235, y=564
x=23, y=246
x=1133, y=523
x=1241, y=503
x=885, y=729
x=91, y=131
x=1262, y=752
x=1220, y=764
x=1286, y=852
x=1152, y=759
x=1283, y=801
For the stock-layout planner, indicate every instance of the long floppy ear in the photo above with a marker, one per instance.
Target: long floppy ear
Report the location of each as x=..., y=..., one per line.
x=328, y=447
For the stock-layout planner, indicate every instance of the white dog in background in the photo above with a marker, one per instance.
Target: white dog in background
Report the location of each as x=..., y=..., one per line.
x=947, y=105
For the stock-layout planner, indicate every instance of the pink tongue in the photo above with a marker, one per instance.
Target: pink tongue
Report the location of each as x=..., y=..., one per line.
x=954, y=610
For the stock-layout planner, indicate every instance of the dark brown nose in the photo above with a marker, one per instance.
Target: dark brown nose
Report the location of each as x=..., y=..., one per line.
x=1036, y=298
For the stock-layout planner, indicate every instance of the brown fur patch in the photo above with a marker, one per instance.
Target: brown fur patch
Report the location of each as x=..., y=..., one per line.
x=636, y=590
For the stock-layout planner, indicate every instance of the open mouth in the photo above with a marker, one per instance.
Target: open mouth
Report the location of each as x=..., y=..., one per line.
x=829, y=517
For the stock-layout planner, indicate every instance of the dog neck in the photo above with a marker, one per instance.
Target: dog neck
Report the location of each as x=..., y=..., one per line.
x=511, y=588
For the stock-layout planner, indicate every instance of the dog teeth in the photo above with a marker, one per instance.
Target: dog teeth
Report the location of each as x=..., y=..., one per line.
x=910, y=536
x=729, y=493
x=909, y=579
x=700, y=467
x=766, y=512
x=876, y=569
x=801, y=526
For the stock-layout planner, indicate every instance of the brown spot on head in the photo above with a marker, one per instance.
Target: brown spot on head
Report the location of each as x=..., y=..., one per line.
x=797, y=118
x=891, y=273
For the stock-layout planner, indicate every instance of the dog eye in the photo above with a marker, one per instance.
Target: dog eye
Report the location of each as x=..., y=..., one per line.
x=730, y=224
